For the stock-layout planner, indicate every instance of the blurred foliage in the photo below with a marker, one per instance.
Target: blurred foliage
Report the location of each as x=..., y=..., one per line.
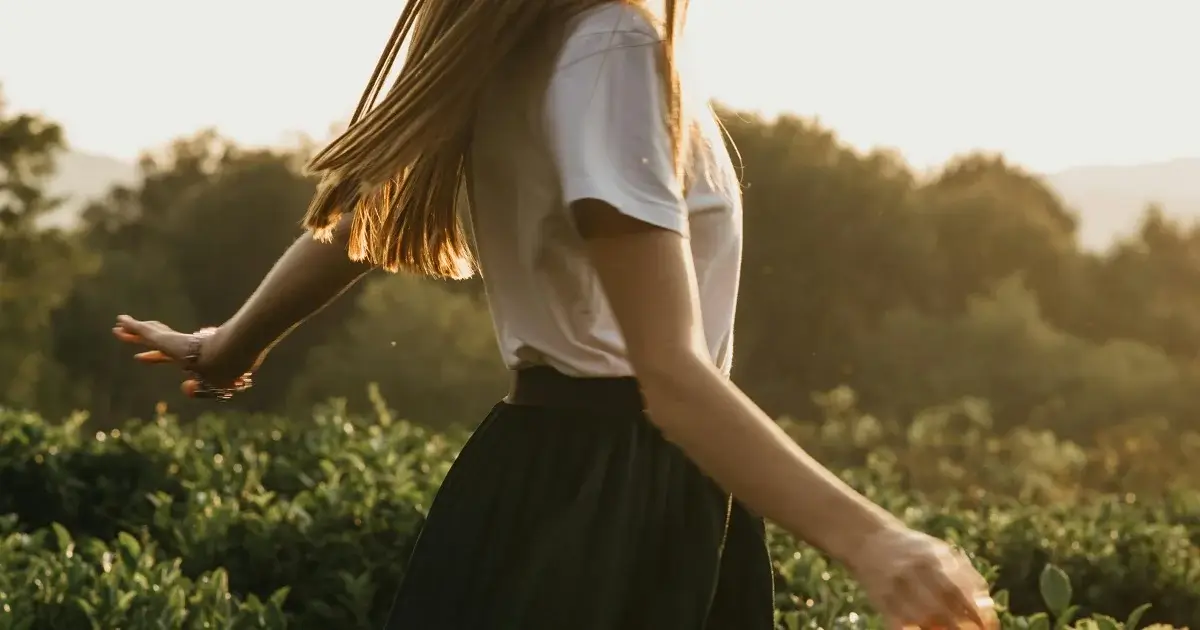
x=913, y=290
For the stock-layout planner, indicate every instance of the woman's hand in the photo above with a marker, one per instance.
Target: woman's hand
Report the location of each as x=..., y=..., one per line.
x=218, y=364
x=917, y=581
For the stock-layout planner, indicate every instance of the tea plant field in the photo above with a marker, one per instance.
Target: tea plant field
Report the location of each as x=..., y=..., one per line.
x=307, y=523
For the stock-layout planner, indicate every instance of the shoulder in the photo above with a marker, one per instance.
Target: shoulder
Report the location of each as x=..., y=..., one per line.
x=609, y=27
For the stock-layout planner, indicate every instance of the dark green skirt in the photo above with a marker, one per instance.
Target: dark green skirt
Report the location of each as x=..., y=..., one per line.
x=583, y=520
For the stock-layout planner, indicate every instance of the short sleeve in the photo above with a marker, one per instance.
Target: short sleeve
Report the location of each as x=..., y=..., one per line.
x=605, y=116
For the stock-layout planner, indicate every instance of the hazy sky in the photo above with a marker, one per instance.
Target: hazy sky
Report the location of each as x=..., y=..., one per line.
x=1051, y=83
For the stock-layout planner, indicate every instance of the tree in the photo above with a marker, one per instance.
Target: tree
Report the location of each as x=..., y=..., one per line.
x=37, y=266
x=1148, y=287
x=1000, y=349
x=916, y=292
x=832, y=241
x=992, y=220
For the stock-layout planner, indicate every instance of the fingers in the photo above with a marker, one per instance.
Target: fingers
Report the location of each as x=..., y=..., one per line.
x=143, y=331
x=161, y=343
x=165, y=346
x=987, y=608
x=150, y=356
x=133, y=326
x=947, y=586
x=952, y=595
x=193, y=388
x=126, y=336
x=934, y=593
x=131, y=330
x=977, y=591
x=153, y=356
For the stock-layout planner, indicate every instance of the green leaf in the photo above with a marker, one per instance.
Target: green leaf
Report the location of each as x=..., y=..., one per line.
x=1065, y=617
x=1104, y=622
x=130, y=545
x=1001, y=600
x=125, y=600
x=1135, y=617
x=1055, y=587
x=63, y=536
x=278, y=598
x=88, y=610
x=1038, y=622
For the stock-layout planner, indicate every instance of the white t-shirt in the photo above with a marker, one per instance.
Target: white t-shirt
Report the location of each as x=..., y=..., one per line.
x=600, y=134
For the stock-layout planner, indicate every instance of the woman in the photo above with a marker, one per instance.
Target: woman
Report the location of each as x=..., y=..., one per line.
x=613, y=295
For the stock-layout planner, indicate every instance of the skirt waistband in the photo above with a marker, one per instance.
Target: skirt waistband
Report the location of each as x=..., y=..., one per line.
x=544, y=386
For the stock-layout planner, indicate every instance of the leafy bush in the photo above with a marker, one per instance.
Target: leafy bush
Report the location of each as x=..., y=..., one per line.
x=50, y=581
x=252, y=522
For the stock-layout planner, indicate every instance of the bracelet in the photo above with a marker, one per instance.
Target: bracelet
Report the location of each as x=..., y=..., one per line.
x=203, y=388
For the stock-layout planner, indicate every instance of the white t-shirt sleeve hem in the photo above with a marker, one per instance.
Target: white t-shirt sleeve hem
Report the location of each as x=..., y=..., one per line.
x=661, y=213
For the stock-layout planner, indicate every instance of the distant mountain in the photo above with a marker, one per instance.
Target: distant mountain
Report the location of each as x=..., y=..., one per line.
x=1109, y=199
x=83, y=177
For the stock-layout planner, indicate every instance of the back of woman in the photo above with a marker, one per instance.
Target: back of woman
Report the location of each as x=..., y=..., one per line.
x=579, y=125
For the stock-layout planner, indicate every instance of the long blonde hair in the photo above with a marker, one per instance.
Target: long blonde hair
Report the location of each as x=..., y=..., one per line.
x=399, y=166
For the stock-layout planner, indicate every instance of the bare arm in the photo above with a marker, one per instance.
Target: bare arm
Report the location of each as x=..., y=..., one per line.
x=649, y=280
x=309, y=275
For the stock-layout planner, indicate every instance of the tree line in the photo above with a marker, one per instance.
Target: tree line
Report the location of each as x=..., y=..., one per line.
x=913, y=291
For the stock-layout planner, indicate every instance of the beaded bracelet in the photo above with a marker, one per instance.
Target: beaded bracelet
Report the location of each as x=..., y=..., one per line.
x=203, y=388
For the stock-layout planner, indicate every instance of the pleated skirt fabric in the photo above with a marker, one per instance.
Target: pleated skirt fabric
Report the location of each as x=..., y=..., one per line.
x=582, y=520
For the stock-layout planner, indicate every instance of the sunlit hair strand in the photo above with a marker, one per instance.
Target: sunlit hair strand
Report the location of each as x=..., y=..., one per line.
x=400, y=164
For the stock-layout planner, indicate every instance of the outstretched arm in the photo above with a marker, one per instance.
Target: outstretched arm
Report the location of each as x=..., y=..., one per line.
x=309, y=275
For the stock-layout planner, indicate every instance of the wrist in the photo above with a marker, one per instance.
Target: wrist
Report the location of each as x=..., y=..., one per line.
x=232, y=345
x=850, y=542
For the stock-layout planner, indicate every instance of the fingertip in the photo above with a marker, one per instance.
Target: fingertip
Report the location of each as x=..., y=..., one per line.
x=152, y=356
x=189, y=388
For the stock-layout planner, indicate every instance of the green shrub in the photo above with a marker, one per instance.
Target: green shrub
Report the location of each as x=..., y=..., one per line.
x=47, y=580
x=251, y=522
